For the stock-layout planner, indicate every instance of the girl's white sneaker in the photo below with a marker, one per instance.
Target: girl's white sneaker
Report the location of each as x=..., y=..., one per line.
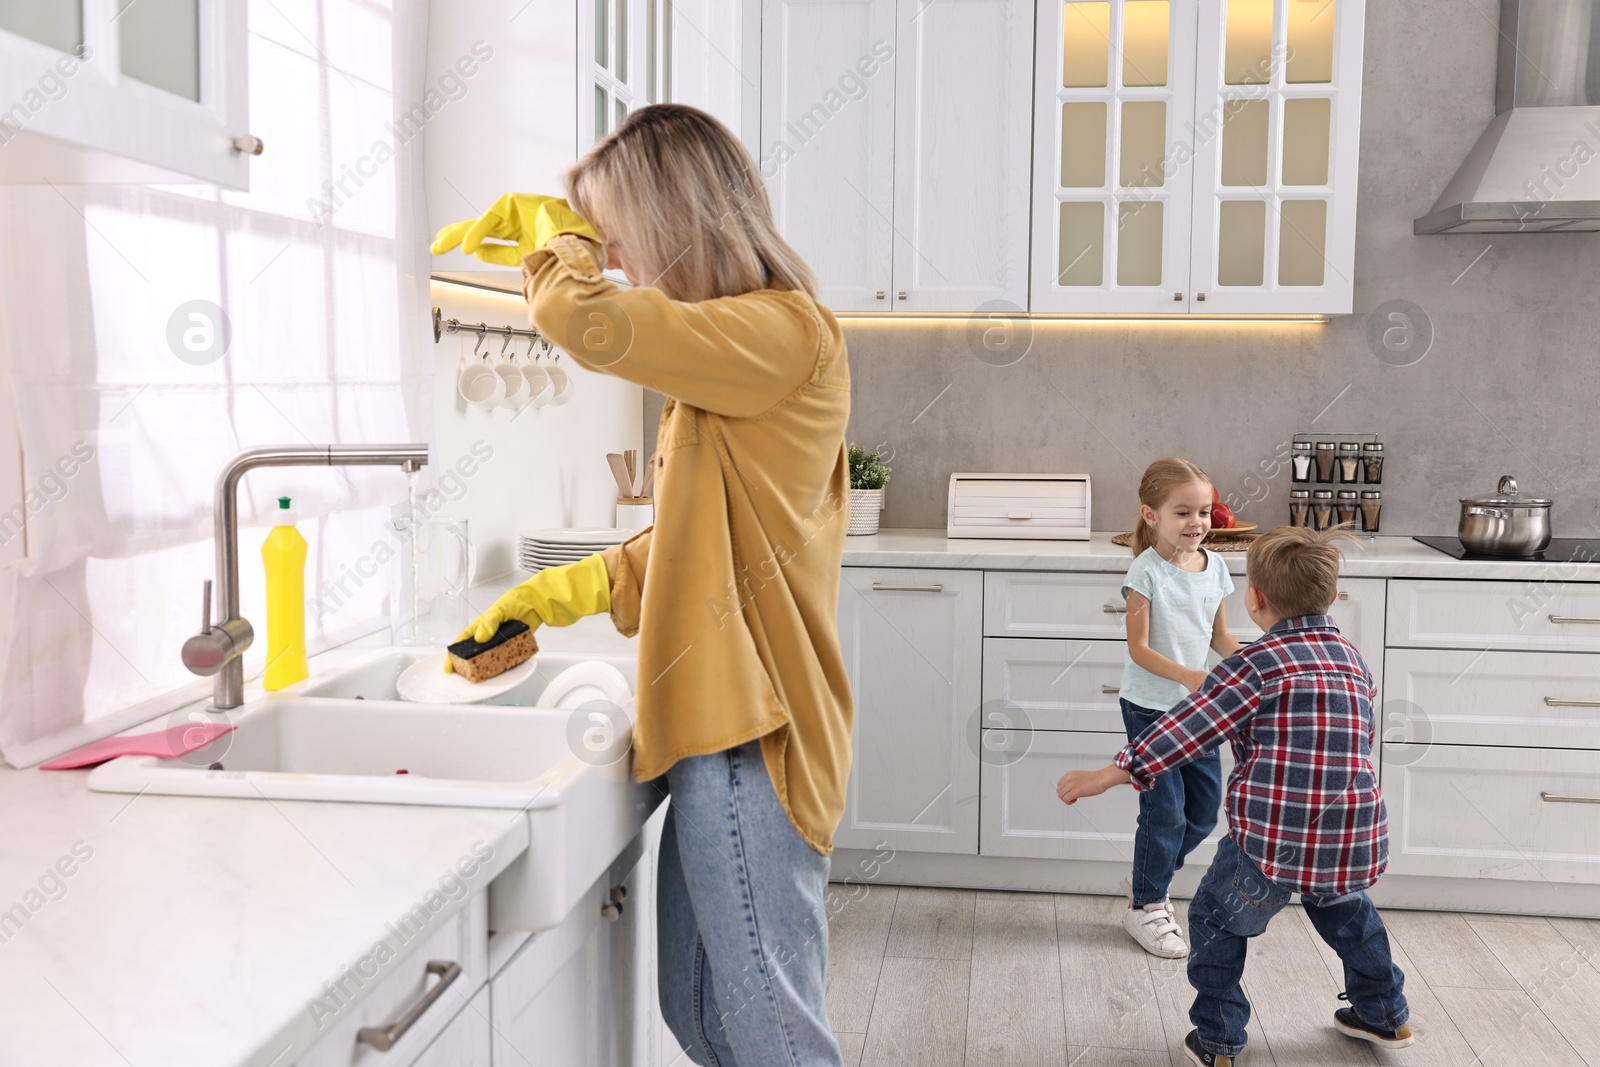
x=1155, y=930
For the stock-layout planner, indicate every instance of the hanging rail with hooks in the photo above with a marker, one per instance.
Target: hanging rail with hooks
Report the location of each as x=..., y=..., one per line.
x=442, y=326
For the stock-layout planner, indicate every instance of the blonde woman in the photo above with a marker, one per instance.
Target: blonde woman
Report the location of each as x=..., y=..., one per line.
x=743, y=708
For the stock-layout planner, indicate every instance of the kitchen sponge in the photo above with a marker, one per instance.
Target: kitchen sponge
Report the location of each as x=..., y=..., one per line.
x=476, y=661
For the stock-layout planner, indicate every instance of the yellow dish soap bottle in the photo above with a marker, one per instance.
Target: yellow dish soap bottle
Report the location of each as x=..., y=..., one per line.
x=284, y=554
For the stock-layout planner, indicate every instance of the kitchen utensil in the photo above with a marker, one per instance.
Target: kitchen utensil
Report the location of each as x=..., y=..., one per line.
x=425, y=682
x=174, y=741
x=1505, y=523
x=629, y=458
x=479, y=385
x=560, y=382
x=649, y=475
x=517, y=386
x=619, y=471
x=428, y=601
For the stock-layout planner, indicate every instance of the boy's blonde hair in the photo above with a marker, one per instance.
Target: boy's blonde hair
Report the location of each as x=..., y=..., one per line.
x=1296, y=568
x=681, y=195
x=1160, y=479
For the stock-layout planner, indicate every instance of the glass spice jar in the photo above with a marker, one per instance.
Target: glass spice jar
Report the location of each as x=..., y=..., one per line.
x=1322, y=509
x=1301, y=460
x=1372, y=463
x=1371, y=510
x=1349, y=462
x=1299, y=507
x=1326, y=460
x=1345, y=508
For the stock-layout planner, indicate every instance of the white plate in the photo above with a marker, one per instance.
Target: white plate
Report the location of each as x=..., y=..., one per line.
x=590, y=680
x=609, y=536
x=552, y=561
x=425, y=682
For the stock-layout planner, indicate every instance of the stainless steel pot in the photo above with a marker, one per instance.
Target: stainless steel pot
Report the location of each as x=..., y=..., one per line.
x=1505, y=523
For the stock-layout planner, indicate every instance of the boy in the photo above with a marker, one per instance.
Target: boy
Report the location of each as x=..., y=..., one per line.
x=1304, y=814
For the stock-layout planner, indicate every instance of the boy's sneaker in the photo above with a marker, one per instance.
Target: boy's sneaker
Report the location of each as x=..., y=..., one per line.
x=1348, y=1023
x=1196, y=1054
x=1153, y=927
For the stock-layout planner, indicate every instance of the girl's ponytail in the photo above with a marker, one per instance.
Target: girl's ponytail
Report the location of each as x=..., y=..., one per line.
x=1160, y=479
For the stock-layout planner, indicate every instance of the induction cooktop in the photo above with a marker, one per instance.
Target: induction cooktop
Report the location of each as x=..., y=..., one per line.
x=1559, y=550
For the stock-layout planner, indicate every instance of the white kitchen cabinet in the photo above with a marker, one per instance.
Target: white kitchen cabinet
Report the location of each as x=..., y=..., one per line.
x=1196, y=158
x=1482, y=812
x=1054, y=685
x=1277, y=131
x=104, y=92
x=1358, y=612
x=912, y=643
x=895, y=144
x=962, y=98
x=1049, y=604
x=1555, y=614
x=568, y=995
x=465, y=1042
x=1464, y=697
x=827, y=141
x=1115, y=93
x=1022, y=816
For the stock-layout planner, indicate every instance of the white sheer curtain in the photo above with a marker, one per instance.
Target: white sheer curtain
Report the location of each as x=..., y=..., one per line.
x=123, y=439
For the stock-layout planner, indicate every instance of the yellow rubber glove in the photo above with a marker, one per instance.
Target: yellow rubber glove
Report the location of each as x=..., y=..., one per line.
x=525, y=220
x=556, y=596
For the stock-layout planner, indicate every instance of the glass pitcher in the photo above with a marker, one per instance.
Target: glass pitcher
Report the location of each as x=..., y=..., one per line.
x=428, y=594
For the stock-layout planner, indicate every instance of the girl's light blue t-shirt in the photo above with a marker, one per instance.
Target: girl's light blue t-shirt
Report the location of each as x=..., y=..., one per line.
x=1183, y=610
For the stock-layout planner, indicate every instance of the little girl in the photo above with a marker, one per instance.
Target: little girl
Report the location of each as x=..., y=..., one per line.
x=1174, y=591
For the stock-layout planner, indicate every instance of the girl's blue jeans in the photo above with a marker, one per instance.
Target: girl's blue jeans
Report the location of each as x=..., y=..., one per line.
x=742, y=923
x=1175, y=814
x=1234, y=903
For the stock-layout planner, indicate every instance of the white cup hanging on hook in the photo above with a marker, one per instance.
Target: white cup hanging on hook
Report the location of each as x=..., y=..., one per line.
x=516, y=392
x=538, y=377
x=478, y=383
x=560, y=380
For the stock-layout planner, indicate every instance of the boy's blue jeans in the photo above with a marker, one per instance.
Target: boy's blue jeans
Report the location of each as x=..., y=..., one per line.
x=742, y=939
x=1175, y=814
x=1235, y=902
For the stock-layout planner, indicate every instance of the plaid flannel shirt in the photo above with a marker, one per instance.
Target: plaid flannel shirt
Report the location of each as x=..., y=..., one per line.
x=1303, y=799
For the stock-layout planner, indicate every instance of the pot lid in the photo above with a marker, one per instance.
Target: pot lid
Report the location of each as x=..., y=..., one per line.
x=1507, y=493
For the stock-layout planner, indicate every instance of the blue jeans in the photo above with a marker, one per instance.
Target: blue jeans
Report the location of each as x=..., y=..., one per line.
x=1175, y=814
x=742, y=935
x=1235, y=902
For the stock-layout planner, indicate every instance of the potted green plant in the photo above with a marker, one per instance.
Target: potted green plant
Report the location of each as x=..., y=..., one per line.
x=868, y=476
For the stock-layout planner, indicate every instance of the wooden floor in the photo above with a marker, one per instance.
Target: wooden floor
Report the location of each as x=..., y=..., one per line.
x=987, y=979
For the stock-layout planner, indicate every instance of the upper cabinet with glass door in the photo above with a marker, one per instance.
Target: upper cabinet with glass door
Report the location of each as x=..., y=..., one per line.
x=625, y=62
x=1196, y=158
x=1278, y=120
x=1113, y=177
x=102, y=91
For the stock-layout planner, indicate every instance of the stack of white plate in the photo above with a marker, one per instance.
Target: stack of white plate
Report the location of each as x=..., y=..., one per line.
x=538, y=549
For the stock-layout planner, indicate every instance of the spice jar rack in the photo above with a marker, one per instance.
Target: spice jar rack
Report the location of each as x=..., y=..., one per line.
x=1333, y=481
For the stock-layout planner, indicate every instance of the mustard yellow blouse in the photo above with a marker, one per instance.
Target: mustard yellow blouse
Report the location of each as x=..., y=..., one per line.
x=734, y=591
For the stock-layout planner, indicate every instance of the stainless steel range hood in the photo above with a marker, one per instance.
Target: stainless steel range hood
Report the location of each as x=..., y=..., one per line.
x=1536, y=169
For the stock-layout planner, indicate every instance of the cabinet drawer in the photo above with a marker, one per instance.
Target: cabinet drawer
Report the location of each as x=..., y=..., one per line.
x=1044, y=604
x=1519, y=814
x=1020, y=814
x=1057, y=685
x=465, y=1042
x=461, y=938
x=1555, y=615
x=1529, y=699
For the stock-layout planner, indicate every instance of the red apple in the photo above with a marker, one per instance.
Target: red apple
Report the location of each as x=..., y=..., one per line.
x=1215, y=496
x=1221, y=517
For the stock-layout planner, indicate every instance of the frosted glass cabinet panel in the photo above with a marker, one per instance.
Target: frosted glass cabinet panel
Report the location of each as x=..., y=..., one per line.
x=1113, y=176
x=1274, y=194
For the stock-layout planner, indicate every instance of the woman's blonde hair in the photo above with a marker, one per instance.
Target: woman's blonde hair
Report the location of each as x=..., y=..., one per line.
x=1160, y=479
x=681, y=195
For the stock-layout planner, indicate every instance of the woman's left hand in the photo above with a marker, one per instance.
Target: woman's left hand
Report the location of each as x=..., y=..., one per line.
x=526, y=221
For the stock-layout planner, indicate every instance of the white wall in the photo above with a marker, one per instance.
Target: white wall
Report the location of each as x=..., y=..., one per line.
x=547, y=466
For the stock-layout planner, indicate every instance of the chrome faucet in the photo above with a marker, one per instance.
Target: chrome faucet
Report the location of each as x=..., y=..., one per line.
x=218, y=649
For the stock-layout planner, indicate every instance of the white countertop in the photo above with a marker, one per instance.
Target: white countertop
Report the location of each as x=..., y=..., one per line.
x=1378, y=557
x=198, y=928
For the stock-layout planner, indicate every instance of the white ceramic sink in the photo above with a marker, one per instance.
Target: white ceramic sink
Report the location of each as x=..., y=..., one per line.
x=346, y=738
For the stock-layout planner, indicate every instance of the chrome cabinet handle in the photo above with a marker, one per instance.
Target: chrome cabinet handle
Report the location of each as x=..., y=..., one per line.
x=1112, y=609
x=1552, y=798
x=1110, y=690
x=1574, y=619
x=881, y=587
x=1552, y=702
x=383, y=1038
x=1343, y=595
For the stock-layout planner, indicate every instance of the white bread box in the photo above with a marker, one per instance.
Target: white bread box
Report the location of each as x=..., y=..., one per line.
x=1041, y=506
